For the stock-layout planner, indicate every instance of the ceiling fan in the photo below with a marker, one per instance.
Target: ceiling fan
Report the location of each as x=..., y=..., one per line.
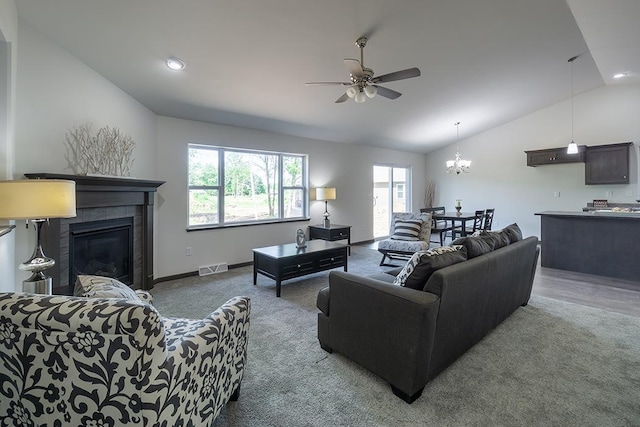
x=362, y=82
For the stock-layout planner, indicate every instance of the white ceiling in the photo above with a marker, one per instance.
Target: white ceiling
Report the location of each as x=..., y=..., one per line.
x=483, y=62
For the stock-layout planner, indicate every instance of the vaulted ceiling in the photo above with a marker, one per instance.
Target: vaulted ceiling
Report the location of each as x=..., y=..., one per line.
x=483, y=62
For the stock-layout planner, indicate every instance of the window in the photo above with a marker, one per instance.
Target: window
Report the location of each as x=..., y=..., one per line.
x=229, y=186
x=391, y=193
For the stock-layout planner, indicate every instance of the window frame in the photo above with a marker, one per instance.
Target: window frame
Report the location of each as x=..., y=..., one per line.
x=220, y=187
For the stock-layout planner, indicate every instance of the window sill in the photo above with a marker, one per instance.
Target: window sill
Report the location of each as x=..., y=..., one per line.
x=244, y=224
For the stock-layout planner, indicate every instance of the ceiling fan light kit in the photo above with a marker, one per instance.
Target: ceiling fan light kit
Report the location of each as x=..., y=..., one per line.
x=370, y=91
x=363, y=84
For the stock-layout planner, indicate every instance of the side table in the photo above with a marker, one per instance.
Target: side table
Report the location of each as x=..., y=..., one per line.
x=331, y=234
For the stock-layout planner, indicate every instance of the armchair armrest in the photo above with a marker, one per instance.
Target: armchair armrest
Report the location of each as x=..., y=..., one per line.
x=205, y=363
x=144, y=296
x=386, y=328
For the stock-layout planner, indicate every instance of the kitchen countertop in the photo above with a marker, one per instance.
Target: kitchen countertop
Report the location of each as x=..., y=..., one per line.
x=593, y=214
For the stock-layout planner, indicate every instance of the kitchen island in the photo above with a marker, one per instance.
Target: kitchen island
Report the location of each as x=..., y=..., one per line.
x=604, y=243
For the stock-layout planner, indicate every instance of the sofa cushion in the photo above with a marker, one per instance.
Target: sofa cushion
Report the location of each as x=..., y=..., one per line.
x=422, y=264
x=407, y=229
x=103, y=287
x=514, y=232
x=477, y=245
x=501, y=239
x=394, y=272
x=403, y=246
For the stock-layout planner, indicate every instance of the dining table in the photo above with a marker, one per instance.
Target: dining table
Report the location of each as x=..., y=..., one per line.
x=456, y=217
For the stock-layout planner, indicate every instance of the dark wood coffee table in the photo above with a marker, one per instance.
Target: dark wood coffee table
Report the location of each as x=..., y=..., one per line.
x=284, y=262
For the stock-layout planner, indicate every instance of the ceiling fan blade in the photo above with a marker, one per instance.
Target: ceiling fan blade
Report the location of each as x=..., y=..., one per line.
x=343, y=98
x=328, y=83
x=398, y=75
x=354, y=67
x=387, y=93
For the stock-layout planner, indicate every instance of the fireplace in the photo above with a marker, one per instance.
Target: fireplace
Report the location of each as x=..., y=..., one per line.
x=111, y=213
x=102, y=248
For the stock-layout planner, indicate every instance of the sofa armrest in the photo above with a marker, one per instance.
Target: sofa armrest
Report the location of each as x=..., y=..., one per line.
x=205, y=363
x=386, y=328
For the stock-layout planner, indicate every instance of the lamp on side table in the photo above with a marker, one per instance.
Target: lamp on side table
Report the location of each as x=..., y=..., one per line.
x=325, y=193
x=37, y=200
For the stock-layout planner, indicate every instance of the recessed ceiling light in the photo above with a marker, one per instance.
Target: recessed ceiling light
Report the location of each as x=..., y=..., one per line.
x=620, y=75
x=175, y=64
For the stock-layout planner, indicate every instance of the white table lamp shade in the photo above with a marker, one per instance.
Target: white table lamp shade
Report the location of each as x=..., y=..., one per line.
x=37, y=199
x=324, y=193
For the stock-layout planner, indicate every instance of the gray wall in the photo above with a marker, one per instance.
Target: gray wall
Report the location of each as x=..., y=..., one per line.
x=8, y=44
x=347, y=167
x=500, y=178
x=55, y=91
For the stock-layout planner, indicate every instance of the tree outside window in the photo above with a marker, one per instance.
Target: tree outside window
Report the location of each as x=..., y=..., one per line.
x=258, y=186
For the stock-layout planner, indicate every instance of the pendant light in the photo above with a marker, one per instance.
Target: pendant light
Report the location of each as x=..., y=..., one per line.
x=572, y=148
x=458, y=165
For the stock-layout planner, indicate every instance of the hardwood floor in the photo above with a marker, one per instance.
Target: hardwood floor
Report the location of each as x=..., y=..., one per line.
x=620, y=296
x=616, y=295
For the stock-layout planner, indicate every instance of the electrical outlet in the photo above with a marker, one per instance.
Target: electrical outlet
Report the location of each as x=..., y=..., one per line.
x=188, y=251
x=629, y=193
x=608, y=193
x=556, y=194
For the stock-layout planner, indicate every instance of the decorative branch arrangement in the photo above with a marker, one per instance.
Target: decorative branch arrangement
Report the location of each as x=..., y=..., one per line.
x=430, y=194
x=109, y=152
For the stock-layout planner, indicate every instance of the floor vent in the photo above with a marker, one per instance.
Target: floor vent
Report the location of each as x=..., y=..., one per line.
x=212, y=269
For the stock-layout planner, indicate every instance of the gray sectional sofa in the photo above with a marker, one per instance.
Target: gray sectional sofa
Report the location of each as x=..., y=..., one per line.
x=408, y=336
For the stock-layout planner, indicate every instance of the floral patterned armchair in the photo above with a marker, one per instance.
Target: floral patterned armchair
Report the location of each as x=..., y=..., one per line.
x=111, y=362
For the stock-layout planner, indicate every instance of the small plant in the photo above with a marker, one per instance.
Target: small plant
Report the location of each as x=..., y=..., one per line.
x=108, y=152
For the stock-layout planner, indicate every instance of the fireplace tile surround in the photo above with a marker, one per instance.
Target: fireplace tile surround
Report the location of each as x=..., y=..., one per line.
x=104, y=198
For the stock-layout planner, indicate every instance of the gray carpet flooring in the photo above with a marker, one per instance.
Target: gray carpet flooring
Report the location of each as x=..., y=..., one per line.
x=551, y=363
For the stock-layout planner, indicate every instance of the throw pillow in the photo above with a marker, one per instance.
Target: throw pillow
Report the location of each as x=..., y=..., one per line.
x=514, y=232
x=459, y=240
x=425, y=229
x=102, y=287
x=501, y=239
x=477, y=245
x=422, y=265
x=407, y=229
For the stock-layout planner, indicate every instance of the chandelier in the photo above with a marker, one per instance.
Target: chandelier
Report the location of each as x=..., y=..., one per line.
x=458, y=165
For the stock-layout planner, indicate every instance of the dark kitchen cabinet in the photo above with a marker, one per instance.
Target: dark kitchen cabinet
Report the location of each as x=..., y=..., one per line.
x=607, y=164
x=552, y=156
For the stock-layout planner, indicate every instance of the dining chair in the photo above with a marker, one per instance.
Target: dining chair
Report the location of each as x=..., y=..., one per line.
x=476, y=226
x=488, y=219
x=438, y=227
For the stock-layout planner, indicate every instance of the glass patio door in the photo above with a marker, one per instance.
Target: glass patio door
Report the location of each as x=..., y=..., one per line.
x=391, y=193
